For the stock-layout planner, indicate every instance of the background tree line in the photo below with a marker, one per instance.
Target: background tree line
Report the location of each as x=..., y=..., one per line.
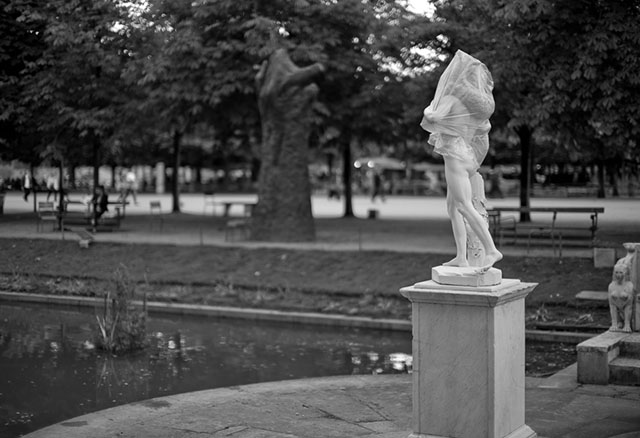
x=120, y=83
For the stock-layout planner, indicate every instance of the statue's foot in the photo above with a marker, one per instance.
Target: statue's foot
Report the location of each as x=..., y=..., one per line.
x=614, y=328
x=626, y=329
x=458, y=261
x=490, y=259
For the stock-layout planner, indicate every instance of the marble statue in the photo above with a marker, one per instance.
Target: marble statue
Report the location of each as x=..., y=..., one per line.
x=621, y=291
x=458, y=120
x=621, y=297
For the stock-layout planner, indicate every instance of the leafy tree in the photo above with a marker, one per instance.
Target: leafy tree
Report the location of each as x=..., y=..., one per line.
x=500, y=35
x=196, y=65
x=21, y=44
x=590, y=83
x=70, y=88
x=558, y=68
x=366, y=49
x=364, y=46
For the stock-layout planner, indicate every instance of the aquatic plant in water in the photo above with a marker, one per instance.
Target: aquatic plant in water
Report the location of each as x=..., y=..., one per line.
x=122, y=326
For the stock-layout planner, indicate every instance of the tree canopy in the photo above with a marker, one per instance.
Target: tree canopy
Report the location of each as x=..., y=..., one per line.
x=565, y=72
x=117, y=80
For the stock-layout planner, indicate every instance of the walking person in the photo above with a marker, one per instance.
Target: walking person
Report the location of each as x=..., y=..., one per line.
x=130, y=186
x=52, y=187
x=378, y=187
x=100, y=203
x=27, y=185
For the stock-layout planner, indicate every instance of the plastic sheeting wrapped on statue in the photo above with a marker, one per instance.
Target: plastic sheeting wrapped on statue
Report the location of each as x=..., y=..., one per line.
x=458, y=120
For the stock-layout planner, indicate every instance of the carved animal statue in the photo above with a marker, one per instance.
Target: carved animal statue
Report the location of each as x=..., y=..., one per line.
x=621, y=298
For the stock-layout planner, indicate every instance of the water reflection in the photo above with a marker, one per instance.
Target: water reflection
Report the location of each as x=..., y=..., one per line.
x=51, y=371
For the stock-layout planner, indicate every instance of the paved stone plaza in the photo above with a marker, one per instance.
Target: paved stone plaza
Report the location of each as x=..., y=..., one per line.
x=348, y=406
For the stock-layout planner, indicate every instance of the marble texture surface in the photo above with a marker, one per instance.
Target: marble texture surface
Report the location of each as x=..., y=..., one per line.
x=468, y=359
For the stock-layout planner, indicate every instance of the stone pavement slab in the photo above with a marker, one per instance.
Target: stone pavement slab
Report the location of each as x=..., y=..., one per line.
x=347, y=406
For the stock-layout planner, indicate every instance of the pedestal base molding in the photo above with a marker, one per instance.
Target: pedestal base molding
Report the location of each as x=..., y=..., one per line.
x=523, y=432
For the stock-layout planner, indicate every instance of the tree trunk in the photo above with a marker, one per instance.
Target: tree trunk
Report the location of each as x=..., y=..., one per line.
x=175, y=181
x=96, y=171
x=601, y=180
x=285, y=97
x=199, y=177
x=226, y=172
x=612, y=171
x=524, y=132
x=96, y=162
x=113, y=177
x=34, y=189
x=347, y=174
x=72, y=176
x=255, y=170
x=61, y=192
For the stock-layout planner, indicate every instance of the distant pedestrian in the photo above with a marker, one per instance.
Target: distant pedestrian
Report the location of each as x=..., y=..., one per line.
x=378, y=188
x=495, y=189
x=129, y=186
x=100, y=203
x=27, y=185
x=334, y=191
x=52, y=185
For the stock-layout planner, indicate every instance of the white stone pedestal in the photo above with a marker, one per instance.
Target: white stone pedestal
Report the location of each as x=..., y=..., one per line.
x=468, y=360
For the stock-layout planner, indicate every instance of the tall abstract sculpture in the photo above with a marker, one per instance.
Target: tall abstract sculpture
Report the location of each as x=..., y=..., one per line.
x=285, y=97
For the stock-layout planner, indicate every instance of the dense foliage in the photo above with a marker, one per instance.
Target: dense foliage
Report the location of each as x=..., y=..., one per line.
x=566, y=76
x=124, y=82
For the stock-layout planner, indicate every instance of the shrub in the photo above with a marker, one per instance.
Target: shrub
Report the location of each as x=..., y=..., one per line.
x=122, y=326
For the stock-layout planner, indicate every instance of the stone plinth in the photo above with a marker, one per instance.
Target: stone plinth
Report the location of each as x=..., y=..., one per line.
x=467, y=276
x=468, y=360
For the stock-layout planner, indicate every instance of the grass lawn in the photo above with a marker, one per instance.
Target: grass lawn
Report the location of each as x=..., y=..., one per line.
x=351, y=282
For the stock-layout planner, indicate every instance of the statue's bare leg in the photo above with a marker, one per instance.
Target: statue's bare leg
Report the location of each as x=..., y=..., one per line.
x=459, y=233
x=457, y=174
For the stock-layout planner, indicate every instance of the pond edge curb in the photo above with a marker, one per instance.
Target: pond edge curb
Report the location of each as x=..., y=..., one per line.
x=334, y=320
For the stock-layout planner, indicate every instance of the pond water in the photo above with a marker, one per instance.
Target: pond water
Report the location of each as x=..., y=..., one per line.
x=50, y=372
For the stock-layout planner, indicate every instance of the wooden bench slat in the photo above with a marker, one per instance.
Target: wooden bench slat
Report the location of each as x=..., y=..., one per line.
x=550, y=231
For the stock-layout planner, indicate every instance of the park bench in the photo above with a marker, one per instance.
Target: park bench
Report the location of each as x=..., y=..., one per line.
x=246, y=205
x=546, y=232
x=237, y=228
x=81, y=213
x=227, y=204
x=46, y=212
x=155, y=214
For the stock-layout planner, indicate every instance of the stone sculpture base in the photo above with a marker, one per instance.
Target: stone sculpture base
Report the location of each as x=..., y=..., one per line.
x=468, y=360
x=467, y=276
